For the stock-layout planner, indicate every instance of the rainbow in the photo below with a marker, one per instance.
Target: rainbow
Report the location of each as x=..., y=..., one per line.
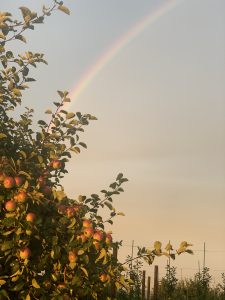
x=123, y=41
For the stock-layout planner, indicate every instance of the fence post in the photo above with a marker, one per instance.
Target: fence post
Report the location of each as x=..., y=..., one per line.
x=148, y=288
x=156, y=282
x=143, y=286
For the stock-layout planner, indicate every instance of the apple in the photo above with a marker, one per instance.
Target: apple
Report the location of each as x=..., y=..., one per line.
x=10, y=205
x=70, y=212
x=9, y=182
x=76, y=208
x=88, y=232
x=104, y=277
x=61, y=286
x=72, y=256
x=31, y=217
x=87, y=223
x=98, y=235
x=21, y=197
x=56, y=164
x=46, y=190
x=2, y=176
x=25, y=253
x=108, y=239
x=97, y=245
x=82, y=237
x=19, y=180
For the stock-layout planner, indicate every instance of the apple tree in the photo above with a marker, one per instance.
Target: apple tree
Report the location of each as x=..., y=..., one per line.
x=51, y=246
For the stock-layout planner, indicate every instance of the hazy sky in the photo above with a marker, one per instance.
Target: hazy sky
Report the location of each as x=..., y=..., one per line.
x=161, y=116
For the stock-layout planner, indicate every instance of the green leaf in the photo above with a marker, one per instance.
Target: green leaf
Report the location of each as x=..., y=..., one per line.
x=25, y=11
x=2, y=282
x=48, y=111
x=2, y=135
x=64, y=9
x=28, y=297
x=168, y=247
x=101, y=255
x=25, y=174
x=40, y=159
x=7, y=245
x=17, y=92
x=60, y=195
x=157, y=245
x=73, y=222
x=189, y=251
x=109, y=205
x=35, y=284
x=120, y=214
x=70, y=116
x=75, y=149
x=61, y=94
x=83, y=145
x=119, y=176
x=72, y=265
x=23, y=154
x=2, y=36
x=21, y=38
x=84, y=270
x=18, y=287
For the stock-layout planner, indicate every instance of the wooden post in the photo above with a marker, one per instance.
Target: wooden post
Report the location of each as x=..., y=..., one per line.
x=143, y=286
x=132, y=255
x=204, y=258
x=156, y=282
x=113, y=286
x=148, y=288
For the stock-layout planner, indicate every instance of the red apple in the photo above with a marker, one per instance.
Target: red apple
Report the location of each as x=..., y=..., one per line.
x=76, y=208
x=97, y=245
x=46, y=190
x=9, y=182
x=108, y=239
x=25, y=253
x=98, y=235
x=72, y=256
x=61, y=286
x=104, y=277
x=31, y=217
x=82, y=237
x=19, y=180
x=10, y=205
x=21, y=197
x=87, y=223
x=70, y=212
x=88, y=232
x=56, y=164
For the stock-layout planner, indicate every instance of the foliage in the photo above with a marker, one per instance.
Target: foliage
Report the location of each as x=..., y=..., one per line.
x=169, y=282
x=134, y=273
x=196, y=288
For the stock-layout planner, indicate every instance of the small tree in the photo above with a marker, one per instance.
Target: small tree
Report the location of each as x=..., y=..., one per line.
x=169, y=283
